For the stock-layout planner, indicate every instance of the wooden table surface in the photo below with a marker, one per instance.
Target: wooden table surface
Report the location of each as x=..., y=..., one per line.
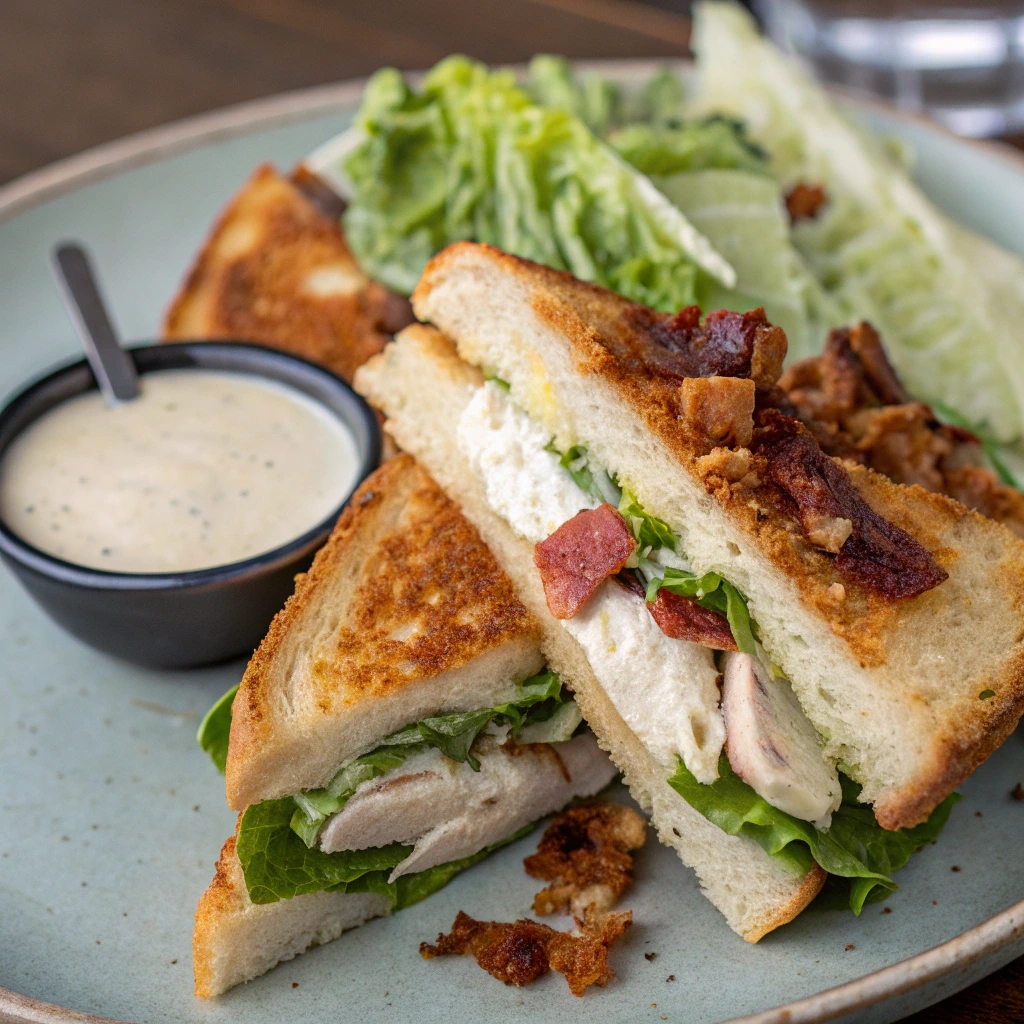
x=75, y=73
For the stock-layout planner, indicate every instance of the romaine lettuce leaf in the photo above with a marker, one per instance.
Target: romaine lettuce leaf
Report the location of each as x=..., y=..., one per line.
x=855, y=847
x=215, y=728
x=696, y=145
x=595, y=481
x=598, y=101
x=880, y=248
x=470, y=156
x=745, y=219
x=277, y=865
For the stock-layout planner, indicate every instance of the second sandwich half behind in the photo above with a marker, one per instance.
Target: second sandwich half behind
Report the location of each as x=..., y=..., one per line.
x=396, y=724
x=673, y=525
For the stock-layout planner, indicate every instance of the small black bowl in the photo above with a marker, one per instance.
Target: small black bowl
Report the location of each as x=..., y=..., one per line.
x=180, y=619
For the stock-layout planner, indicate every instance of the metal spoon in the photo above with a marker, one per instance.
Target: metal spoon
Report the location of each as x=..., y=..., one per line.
x=111, y=365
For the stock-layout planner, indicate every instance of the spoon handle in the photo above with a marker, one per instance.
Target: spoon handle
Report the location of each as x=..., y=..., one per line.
x=112, y=366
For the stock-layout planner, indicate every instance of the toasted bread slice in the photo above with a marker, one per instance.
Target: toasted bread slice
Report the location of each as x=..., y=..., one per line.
x=403, y=614
x=235, y=940
x=910, y=694
x=752, y=890
x=276, y=270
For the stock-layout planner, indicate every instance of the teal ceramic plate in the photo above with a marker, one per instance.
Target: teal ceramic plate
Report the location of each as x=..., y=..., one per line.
x=111, y=818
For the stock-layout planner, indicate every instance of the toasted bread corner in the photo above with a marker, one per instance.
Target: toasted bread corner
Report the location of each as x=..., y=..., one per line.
x=276, y=270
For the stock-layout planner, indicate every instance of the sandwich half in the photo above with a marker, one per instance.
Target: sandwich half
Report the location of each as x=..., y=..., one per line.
x=396, y=724
x=671, y=524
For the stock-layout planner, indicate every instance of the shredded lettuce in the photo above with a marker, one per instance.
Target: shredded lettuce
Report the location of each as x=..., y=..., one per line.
x=597, y=482
x=277, y=865
x=471, y=156
x=855, y=847
x=649, y=531
x=215, y=729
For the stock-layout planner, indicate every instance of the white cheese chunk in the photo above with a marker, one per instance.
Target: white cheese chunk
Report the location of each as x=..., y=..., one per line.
x=524, y=484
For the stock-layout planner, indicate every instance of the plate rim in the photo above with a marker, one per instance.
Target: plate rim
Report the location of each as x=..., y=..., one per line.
x=163, y=142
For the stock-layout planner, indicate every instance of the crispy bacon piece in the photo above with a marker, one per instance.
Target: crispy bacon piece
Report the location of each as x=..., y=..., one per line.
x=803, y=201
x=521, y=952
x=580, y=555
x=717, y=411
x=585, y=852
x=726, y=345
x=852, y=401
x=875, y=552
x=684, y=618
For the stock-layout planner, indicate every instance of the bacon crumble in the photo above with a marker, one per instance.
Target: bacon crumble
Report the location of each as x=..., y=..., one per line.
x=727, y=344
x=803, y=201
x=520, y=953
x=854, y=404
x=685, y=618
x=580, y=555
x=586, y=853
x=877, y=553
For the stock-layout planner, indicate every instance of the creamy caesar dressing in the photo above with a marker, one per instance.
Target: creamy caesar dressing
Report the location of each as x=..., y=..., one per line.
x=204, y=468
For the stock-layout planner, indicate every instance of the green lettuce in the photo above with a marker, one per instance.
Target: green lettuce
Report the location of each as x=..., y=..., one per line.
x=597, y=482
x=698, y=145
x=277, y=865
x=538, y=700
x=880, y=249
x=215, y=729
x=601, y=103
x=744, y=217
x=471, y=156
x=855, y=847
x=649, y=531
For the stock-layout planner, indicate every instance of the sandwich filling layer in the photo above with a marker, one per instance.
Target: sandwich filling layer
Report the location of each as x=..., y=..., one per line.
x=427, y=802
x=753, y=764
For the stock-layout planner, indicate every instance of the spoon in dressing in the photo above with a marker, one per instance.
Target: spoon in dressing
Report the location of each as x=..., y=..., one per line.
x=111, y=365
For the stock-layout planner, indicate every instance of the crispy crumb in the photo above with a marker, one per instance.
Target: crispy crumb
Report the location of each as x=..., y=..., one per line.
x=671, y=977
x=295, y=984
x=520, y=953
x=584, y=853
x=650, y=956
x=837, y=592
x=849, y=947
x=935, y=903
x=886, y=910
x=955, y=867
x=1017, y=792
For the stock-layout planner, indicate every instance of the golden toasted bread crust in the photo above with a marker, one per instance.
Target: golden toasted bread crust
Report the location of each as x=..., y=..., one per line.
x=276, y=270
x=423, y=595
x=225, y=895
x=809, y=888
